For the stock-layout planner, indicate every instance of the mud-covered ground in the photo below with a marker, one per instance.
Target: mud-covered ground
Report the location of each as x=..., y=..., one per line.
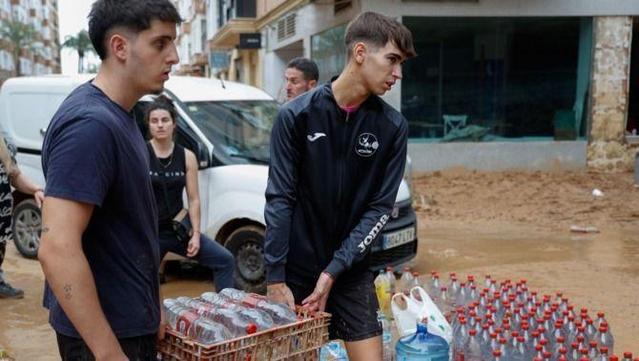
x=508, y=224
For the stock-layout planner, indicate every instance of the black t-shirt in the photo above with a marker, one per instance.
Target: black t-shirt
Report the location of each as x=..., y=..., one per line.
x=168, y=176
x=94, y=153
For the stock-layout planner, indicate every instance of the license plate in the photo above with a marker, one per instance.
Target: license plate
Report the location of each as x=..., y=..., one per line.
x=398, y=238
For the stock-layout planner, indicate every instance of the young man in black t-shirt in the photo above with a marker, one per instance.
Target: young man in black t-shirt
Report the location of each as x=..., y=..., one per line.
x=337, y=159
x=99, y=248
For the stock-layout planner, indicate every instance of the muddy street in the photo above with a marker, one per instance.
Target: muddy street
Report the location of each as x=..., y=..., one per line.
x=594, y=271
x=499, y=233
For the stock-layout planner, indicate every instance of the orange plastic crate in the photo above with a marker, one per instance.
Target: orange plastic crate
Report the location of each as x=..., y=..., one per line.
x=300, y=340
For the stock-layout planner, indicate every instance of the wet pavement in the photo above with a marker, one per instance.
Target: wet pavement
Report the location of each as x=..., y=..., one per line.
x=597, y=271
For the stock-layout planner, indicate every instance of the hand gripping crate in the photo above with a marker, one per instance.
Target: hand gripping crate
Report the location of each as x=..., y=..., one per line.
x=300, y=340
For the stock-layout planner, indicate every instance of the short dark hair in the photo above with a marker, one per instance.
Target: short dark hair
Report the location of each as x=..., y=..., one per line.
x=133, y=15
x=162, y=103
x=306, y=66
x=378, y=30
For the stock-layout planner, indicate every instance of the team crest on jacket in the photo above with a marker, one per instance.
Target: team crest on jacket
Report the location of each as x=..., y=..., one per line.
x=367, y=145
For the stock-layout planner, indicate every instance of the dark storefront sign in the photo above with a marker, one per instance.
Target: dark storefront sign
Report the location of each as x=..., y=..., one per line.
x=250, y=41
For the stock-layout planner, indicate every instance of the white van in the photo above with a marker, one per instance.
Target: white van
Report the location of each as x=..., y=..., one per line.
x=227, y=125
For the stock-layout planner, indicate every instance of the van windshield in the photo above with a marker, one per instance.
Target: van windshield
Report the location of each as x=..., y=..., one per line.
x=241, y=127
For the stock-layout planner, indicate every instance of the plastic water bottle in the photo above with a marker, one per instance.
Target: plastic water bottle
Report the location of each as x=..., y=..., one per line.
x=405, y=281
x=281, y=313
x=433, y=286
x=472, y=348
x=390, y=276
x=237, y=324
x=387, y=337
x=333, y=351
x=422, y=346
x=383, y=292
x=208, y=332
x=604, y=338
x=601, y=318
x=260, y=318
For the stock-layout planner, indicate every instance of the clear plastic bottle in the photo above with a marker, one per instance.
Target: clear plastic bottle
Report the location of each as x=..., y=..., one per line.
x=601, y=318
x=433, y=286
x=208, y=332
x=520, y=350
x=405, y=281
x=627, y=356
x=390, y=276
x=459, y=340
x=281, y=313
x=260, y=318
x=237, y=324
x=604, y=338
x=416, y=281
x=388, y=352
x=333, y=351
x=472, y=347
x=383, y=292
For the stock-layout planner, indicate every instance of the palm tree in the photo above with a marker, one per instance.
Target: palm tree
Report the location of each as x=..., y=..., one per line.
x=21, y=36
x=82, y=44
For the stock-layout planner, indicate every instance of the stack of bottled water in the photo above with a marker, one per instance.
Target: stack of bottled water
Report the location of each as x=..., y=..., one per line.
x=216, y=317
x=507, y=321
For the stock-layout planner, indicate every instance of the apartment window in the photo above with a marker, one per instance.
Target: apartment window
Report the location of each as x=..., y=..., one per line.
x=204, y=36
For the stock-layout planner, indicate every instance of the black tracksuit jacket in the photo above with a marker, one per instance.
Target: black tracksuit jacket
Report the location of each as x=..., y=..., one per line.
x=333, y=179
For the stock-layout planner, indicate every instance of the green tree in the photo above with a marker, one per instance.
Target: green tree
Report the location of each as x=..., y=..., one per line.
x=82, y=44
x=21, y=36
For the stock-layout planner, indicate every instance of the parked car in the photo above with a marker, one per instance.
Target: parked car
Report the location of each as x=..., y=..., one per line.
x=227, y=125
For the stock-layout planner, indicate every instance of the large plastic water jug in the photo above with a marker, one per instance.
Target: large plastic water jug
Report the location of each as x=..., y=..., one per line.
x=422, y=346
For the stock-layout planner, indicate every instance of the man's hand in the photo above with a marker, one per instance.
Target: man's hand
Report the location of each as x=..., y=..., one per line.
x=317, y=300
x=38, y=196
x=194, y=245
x=279, y=292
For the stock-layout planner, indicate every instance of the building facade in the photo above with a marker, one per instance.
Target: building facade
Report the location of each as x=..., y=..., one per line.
x=497, y=84
x=44, y=55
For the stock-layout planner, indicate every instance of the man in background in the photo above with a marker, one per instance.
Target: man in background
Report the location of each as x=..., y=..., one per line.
x=301, y=75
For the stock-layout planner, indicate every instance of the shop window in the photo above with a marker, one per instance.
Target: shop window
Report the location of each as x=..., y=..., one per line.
x=525, y=78
x=329, y=52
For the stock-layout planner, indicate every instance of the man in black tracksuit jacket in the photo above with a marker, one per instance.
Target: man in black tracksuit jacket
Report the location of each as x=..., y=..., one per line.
x=337, y=159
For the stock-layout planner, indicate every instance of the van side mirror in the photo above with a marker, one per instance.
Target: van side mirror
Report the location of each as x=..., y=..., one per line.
x=203, y=156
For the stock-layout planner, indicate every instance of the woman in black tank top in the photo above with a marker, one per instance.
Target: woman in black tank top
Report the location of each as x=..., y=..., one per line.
x=172, y=169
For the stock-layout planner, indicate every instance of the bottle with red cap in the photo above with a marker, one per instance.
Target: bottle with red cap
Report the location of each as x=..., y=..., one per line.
x=405, y=281
x=432, y=286
x=627, y=356
x=593, y=350
x=603, y=354
x=603, y=337
x=472, y=347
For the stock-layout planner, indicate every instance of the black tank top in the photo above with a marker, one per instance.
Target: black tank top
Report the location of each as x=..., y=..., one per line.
x=168, y=176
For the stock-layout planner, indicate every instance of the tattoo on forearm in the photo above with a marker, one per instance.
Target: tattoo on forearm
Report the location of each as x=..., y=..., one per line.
x=67, y=291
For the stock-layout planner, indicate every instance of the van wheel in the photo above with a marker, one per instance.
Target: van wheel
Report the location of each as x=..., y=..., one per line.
x=247, y=245
x=26, y=226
